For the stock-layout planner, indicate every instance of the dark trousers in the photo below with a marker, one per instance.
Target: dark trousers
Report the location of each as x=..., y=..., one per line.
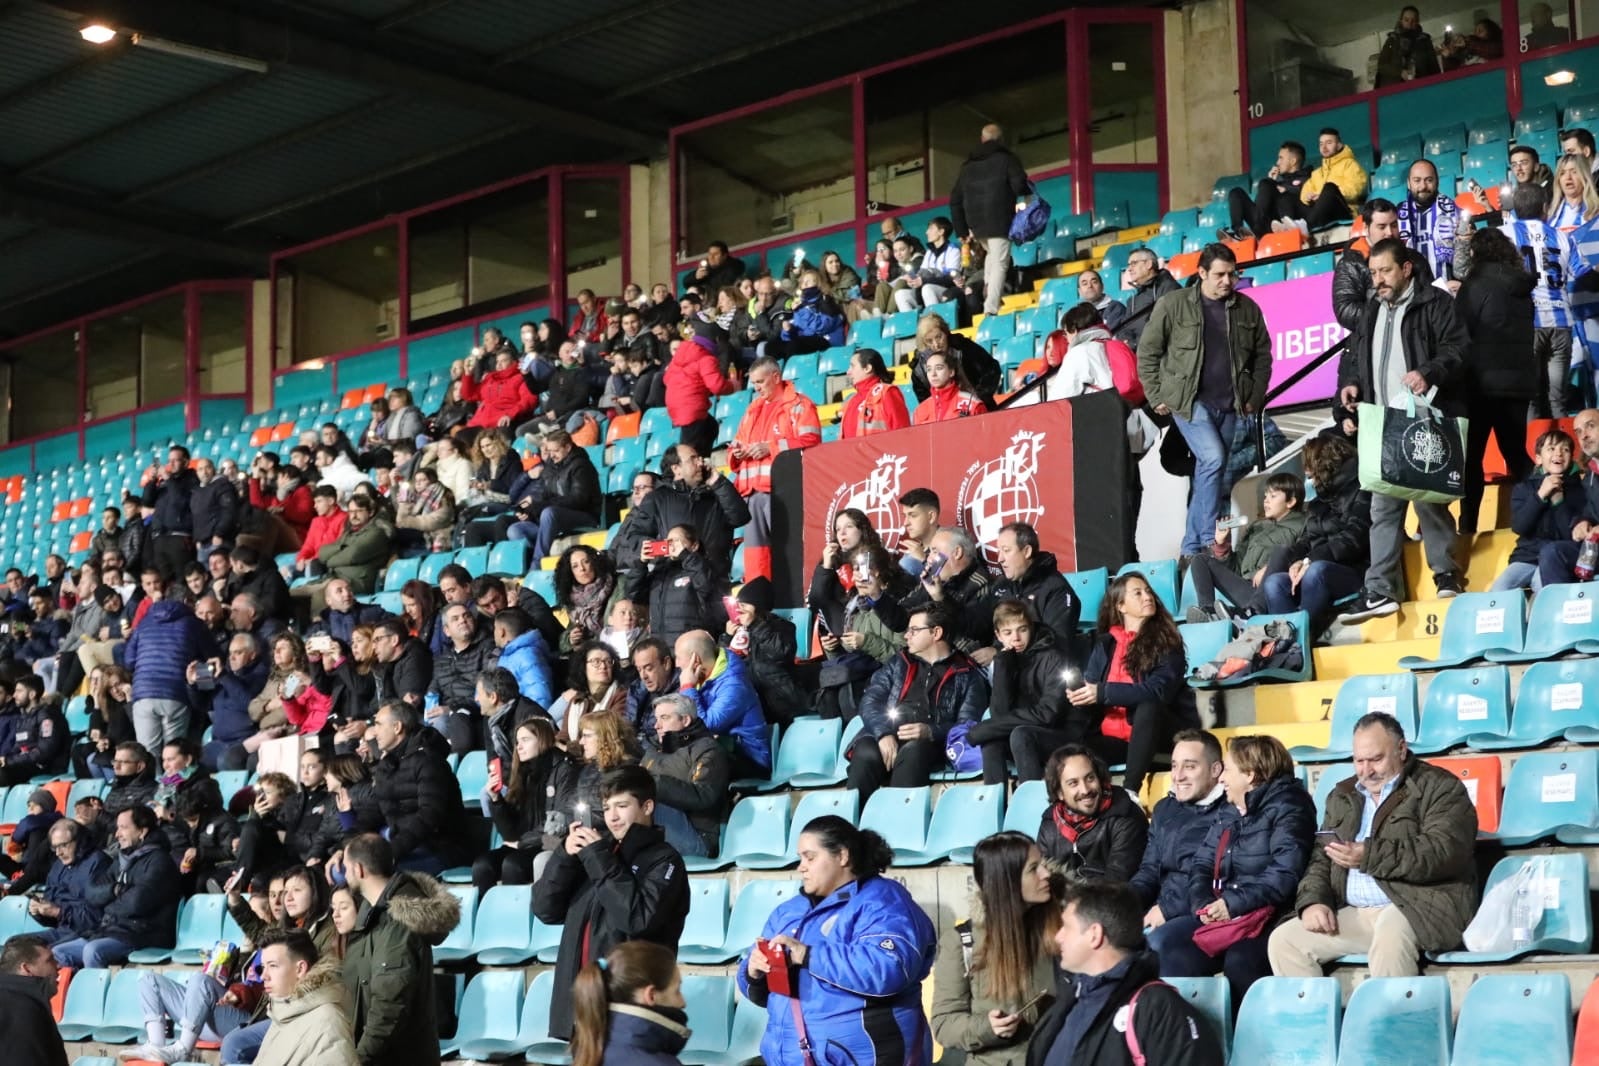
x=1269, y=204
x=260, y=851
x=489, y=530
x=1508, y=421
x=503, y=866
x=1028, y=745
x=1556, y=560
x=1244, y=963
x=1153, y=724
x=1210, y=575
x=913, y=767
x=1328, y=207
x=701, y=434
x=172, y=553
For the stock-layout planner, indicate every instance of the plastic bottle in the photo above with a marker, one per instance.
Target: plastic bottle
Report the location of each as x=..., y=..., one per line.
x=1587, y=558
x=1522, y=914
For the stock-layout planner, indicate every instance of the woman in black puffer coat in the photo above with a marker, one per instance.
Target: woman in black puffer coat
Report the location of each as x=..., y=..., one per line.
x=522, y=806
x=684, y=590
x=1251, y=860
x=1503, y=379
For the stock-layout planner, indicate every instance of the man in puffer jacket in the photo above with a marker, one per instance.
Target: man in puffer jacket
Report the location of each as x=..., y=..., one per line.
x=524, y=653
x=719, y=684
x=158, y=653
x=1179, y=826
x=1032, y=576
x=228, y=696
x=417, y=792
x=1091, y=829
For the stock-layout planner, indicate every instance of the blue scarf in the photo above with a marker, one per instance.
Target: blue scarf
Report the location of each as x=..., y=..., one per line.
x=1431, y=232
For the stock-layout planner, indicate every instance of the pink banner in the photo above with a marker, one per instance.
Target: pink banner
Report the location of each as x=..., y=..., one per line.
x=1299, y=314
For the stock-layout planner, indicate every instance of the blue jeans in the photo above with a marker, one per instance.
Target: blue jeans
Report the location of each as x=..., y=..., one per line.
x=1322, y=585
x=192, y=1007
x=83, y=953
x=241, y=1046
x=422, y=861
x=1517, y=576
x=680, y=832
x=1209, y=435
x=553, y=522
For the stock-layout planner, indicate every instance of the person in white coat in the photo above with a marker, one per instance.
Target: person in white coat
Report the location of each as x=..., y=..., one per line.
x=308, y=1006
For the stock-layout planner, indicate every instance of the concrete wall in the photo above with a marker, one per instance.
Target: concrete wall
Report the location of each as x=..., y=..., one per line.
x=1203, y=132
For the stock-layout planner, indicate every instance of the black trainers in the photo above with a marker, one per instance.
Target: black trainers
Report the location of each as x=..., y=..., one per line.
x=1448, y=585
x=1369, y=605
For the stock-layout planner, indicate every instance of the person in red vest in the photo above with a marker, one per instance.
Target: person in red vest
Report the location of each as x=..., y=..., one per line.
x=778, y=419
x=950, y=395
x=877, y=405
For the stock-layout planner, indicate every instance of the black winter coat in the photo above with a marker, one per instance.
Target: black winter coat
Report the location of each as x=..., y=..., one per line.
x=1109, y=850
x=410, y=674
x=611, y=891
x=982, y=369
x=141, y=902
x=269, y=590
x=216, y=510
x=955, y=689
x=1028, y=686
x=455, y=672
x=1266, y=853
x=1169, y=1030
x=1434, y=341
x=1054, y=601
x=1175, y=835
x=983, y=201
x=568, y=392
x=683, y=594
x=714, y=510
x=1338, y=522
x=172, y=501
x=772, y=650
x=527, y=822
x=1163, y=684
x=27, y=1026
x=1352, y=285
x=364, y=816
x=572, y=483
x=1538, y=521
x=354, y=693
x=1145, y=296
x=301, y=817
x=1495, y=303
x=421, y=800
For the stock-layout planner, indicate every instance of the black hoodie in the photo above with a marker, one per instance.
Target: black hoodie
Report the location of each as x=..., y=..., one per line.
x=1495, y=302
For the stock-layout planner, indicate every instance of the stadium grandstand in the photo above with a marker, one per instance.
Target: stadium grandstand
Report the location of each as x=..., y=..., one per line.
x=940, y=486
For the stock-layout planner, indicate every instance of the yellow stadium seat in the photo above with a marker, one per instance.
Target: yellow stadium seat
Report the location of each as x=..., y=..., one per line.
x=1076, y=266
x=548, y=562
x=828, y=413
x=1490, y=554
x=1018, y=302
x=1415, y=620
x=1292, y=734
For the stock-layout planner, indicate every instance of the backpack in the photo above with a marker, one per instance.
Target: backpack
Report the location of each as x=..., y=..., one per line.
x=1124, y=371
x=1030, y=222
x=1133, y=1049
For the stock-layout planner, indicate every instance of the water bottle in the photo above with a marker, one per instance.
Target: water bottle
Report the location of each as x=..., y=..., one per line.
x=1522, y=914
x=1587, y=558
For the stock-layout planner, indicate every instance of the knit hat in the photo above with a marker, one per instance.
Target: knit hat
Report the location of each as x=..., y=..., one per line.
x=41, y=799
x=103, y=594
x=757, y=592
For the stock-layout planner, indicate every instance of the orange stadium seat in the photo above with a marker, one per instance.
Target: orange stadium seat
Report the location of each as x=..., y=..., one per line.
x=1283, y=243
x=1181, y=266
x=374, y=392
x=81, y=542
x=261, y=437
x=1243, y=249
x=81, y=506
x=623, y=427
x=61, y=511
x=1483, y=777
x=282, y=431
x=351, y=399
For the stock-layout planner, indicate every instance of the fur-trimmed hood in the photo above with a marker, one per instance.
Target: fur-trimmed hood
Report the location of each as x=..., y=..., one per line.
x=323, y=984
x=421, y=904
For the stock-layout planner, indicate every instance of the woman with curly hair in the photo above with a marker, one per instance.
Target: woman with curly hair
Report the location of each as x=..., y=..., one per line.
x=585, y=583
x=604, y=742
x=594, y=686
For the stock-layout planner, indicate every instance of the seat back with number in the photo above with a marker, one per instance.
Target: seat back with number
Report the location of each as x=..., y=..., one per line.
x=1554, y=698
x=1551, y=792
x=1562, y=619
x=1475, y=623
x=1393, y=694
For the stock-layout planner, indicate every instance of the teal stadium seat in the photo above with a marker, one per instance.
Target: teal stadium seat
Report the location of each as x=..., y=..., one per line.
x=1203, y=641
x=1090, y=586
x=744, y=1045
x=1032, y=320
x=755, y=824
x=431, y=566
x=230, y=782
x=1583, y=110
x=963, y=815
x=1331, y=774
x=1111, y=216
x=705, y=931
x=840, y=802
x=900, y=817
x=1489, y=129
x=1537, y=119
x=1397, y=1021
x=487, y=1022
x=533, y=1033
x=754, y=904
x=542, y=582
x=1562, y=619
x=1474, y=624
x=1013, y=351
x=1003, y=327
x=1027, y=806
x=457, y=946
x=710, y=1016
x=1566, y=928
x=801, y=365
x=809, y=747
x=199, y=929
x=1393, y=694
x=1550, y=793
x=1267, y=274
x=1445, y=140
x=835, y=360
x=1487, y=164
x=473, y=776
x=508, y=558
x=85, y=1004
x=1228, y=182
x=1080, y=224
x=840, y=768
x=1180, y=220
x=502, y=930
x=657, y=420
x=1213, y=998
x=122, y=1020
x=1555, y=699
x=1288, y=1021
x=1400, y=150
x=865, y=333
x=1461, y=704
x=1161, y=574
x=1524, y=1018
x=475, y=560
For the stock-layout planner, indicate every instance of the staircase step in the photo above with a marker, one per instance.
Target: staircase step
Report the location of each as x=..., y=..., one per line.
x=1304, y=701
x=1347, y=660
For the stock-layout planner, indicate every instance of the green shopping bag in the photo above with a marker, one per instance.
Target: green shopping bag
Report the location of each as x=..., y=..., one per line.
x=1415, y=452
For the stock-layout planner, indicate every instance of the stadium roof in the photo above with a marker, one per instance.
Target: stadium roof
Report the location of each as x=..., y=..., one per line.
x=226, y=130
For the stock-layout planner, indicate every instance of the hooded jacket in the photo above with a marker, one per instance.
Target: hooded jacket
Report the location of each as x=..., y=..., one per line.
x=388, y=970
x=528, y=659
x=1337, y=522
x=983, y=201
x=728, y=704
x=683, y=594
x=955, y=688
x=1054, y=601
x=1175, y=835
x=1171, y=352
x=962, y=999
x=860, y=991
x=1342, y=170
x=160, y=650
x=1495, y=305
x=501, y=394
x=1170, y=1031
x=27, y=1024
x=357, y=555
x=140, y=898
x=420, y=798
x=692, y=771
x=610, y=891
x=644, y=1036
x=692, y=377
x=1434, y=341
x=313, y=1025
x=714, y=510
x=1109, y=850
x=1421, y=851
x=1267, y=849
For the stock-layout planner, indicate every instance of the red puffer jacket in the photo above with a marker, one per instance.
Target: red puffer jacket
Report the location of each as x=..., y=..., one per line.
x=501, y=394
x=692, y=378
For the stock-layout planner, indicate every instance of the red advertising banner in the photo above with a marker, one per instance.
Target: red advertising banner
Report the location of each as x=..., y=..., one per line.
x=1008, y=466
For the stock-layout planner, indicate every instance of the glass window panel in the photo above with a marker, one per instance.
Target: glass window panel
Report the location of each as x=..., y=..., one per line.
x=591, y=210
x=923, y=121
x=1304, y=53
x=1545, y=25
x=785, y=169
x=492, y=251
x=224, y=335
x=136, y=357
x=1122, y=92
x=44, y=374
x=339, y=297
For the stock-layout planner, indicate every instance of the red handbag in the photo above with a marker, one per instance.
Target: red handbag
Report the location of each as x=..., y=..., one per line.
x=1217, y=937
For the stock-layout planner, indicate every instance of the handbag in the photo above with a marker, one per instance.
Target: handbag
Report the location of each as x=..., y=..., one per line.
x=1030, y=222
x=964, y=756
x=1217, y=937
x=1414, y=453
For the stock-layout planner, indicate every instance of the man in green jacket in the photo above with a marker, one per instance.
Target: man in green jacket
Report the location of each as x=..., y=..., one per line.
x=1205, y=358
x=1394, y=874
x=388, y=966
x=357, y=555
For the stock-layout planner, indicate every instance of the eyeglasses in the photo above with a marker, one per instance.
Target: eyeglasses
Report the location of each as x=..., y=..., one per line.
x=599, y=662
x=917, y=629
x=66, y=845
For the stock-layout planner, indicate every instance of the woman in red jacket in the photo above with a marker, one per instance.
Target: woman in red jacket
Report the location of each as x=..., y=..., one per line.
x=877, y=405
x=950, y=394
x=288, y=510
x=692, y=377
x=503, y=396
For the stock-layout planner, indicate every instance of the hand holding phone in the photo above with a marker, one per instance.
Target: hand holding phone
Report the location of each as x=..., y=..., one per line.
x=1329, y=836
x=496, y=781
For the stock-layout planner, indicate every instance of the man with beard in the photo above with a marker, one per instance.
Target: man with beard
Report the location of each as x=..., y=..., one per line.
x=1429, y=223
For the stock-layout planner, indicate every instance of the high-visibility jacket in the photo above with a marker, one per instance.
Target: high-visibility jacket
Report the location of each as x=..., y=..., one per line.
x=875, y=408
x=945, y=404
x=787, y=420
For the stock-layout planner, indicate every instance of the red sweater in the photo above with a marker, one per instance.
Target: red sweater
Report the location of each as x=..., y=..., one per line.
x=501, y=394
x=692, y=378
x=323, y=531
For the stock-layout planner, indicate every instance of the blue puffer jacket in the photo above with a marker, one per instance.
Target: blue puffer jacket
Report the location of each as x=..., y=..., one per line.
x=168, y=639
x=860, y=990
x=72, y=888
x=1175, y=836
x=1267, y=849
x=528, y=659
x=817, y=317
x=728, y=703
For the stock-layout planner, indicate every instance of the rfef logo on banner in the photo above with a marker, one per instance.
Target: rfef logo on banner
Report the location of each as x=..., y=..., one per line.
x=877, y=495
x=1002, y=490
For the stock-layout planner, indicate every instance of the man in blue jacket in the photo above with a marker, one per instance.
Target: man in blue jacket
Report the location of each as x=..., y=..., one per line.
x=158, y=653
x=524, y=653
x=228, y=691
x=1181, y=821
x=71, y=903
x=141, y=898
x=720, y=686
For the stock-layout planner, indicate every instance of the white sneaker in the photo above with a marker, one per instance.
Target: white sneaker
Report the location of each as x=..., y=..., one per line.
x=1303, y=227
x=1278, y=225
